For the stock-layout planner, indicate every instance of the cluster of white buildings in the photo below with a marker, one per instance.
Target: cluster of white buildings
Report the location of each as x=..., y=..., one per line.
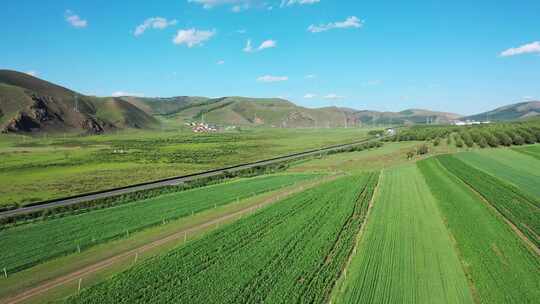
x=469, y=122
x=201, y=127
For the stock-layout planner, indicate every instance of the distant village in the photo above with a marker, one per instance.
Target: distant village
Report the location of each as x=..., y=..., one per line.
x=469, y=122
x=202, y=127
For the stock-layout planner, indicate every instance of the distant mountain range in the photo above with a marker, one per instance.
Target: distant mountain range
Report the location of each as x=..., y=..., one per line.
x=29, y=104
x=522, y=110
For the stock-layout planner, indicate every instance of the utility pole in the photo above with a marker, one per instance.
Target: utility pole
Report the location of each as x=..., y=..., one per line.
x=76, y=103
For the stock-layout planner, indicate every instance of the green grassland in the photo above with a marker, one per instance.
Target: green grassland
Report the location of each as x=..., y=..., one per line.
x=500, y=266
x=521, y=170
x=291, y=251
x=37, y=242
x=405, y=255
x=35, y=169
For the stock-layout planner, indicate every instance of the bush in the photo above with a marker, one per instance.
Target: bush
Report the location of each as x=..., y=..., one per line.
x=504, y=139
x=423, y=149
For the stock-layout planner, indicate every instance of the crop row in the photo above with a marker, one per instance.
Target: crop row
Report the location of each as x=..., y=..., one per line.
x=500, y=268
x=290, y=252
x=405, y=254
x=34, y=243
x=521, y=209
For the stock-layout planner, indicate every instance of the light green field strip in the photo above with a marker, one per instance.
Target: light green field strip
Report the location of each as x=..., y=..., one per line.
x=513, y=159
x=30, y=244
x=406, y=255
x=533, y=151
x=501, y=267
x=510, y=170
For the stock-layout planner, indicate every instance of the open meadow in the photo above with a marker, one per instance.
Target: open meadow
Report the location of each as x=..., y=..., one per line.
x=40, y=168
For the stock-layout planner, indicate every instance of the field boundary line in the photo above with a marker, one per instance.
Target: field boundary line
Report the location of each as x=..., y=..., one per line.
x=359, y=238
x=528, y=243
x=101, y=265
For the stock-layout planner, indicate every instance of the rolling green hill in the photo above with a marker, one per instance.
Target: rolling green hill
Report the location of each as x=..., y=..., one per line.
x=522, y=110
x=29, y=104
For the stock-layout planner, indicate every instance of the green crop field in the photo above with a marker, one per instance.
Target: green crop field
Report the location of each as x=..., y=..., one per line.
x=509, y=166
x=40, y=168
x=498, y=264
x=533, y=151
x=521, y=209
x=36, y=242
x=405, y=255
x=291, y=251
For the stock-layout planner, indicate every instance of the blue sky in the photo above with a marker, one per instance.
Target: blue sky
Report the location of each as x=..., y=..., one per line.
x=460, y=56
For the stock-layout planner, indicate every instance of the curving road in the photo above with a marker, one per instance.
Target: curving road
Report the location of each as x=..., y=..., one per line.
x=171, y=181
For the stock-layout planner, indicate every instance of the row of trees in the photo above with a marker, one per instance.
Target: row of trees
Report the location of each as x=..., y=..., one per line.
x=492, y=135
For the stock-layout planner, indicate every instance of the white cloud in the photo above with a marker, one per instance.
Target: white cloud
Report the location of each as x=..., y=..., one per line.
x=310, y=95
x=270, y=78
x=300, y=2
x=533, y=47
x=32, y=73
x=333, y=96
x=351, y=22
x=241, y=31
x=267, y=44
x=220, y=62
x=192, y=37
x=236, y=5
x=158, y=23
x=75, y=20
x=311, y=76
x=122, y=93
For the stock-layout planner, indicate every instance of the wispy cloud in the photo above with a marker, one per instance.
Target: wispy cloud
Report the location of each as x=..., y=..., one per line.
x=122, y=93
x=248, y=48
x=235, y=5
x=158, y=23
x=270, y=78
x=220, y=62
x=371, y=83
x=75, y=20
x=333, y=96
x=533, y=47
x=311, y=76
x=267, y=44
x=32, y=73
x=299, y=2
x=310, y=96
x=192, y=37
x=351, y=22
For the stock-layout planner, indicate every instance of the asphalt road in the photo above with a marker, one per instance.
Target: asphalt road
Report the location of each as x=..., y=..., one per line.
x=170, y=181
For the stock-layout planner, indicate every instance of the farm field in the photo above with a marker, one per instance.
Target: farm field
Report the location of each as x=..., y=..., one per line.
x=41, y=168
x=519, y=208
x=508, y=165
x=405, y=255
x=500, y=267
x=533, y=151
x=390, y=154
x=36, y=242
x=275, y=248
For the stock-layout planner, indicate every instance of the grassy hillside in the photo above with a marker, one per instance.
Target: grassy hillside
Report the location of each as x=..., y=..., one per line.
x=29, y=104
x=516, y=111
